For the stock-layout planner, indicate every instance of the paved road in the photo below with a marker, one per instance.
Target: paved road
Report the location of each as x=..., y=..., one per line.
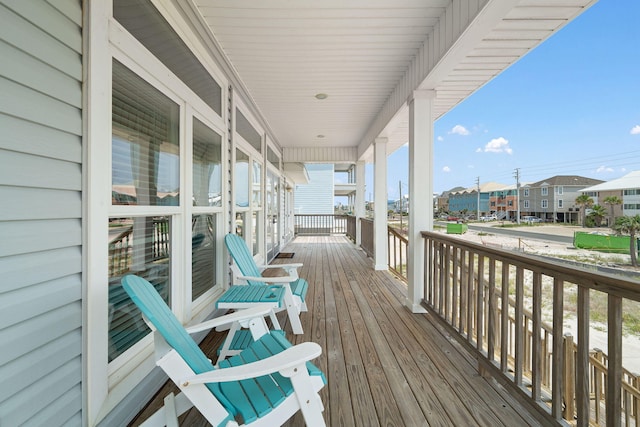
x=559, y=233
x=544, y=233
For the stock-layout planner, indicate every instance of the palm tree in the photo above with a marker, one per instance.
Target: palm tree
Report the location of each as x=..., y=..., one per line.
x=612, y=201
x=629, y=225
x=584, y=201
x=598, y=213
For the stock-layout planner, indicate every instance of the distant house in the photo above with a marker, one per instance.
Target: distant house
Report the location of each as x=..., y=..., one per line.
x=627, y=188
x=316, y=197
x=467, y=200
x=553, y=199
x=504, y=202
x=442, y=201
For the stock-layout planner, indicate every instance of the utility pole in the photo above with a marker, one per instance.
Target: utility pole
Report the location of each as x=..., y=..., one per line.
x=478, y=207
x=517, y=177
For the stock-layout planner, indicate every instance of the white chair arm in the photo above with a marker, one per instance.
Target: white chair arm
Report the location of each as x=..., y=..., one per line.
x=290, y=358
x=259, y=310
x=280, y=279
x=285, y=266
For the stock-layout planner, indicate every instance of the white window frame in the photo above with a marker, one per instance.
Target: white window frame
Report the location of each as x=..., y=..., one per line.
x=560, y=204
x=108, y=383
x=544, y=191
x=254, y=155
x=559, y=190
x=526, y=204
x=526, y=192
x=544, y=204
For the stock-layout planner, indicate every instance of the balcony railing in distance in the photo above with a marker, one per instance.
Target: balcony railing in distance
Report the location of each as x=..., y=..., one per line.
x=511, y=310
x=320, y=224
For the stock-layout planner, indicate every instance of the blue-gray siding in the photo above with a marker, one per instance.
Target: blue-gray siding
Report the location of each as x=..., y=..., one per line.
x=40, y=212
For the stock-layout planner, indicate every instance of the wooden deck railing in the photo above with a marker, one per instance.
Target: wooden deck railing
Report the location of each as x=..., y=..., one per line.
x=351, y=227
x=398, y=245
x=320, y=224
x=511, y=309
x=366, y=236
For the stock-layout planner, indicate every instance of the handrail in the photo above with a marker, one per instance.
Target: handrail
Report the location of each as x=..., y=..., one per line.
x=481, y=293
x=366, y=236
x=397, y=253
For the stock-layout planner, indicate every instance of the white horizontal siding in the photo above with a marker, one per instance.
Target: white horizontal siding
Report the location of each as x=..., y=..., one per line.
x=41, y=212
x=316, y=197
x=320, y=154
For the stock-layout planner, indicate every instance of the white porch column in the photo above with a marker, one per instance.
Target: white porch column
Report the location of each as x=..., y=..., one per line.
x=380, y=233
x=420, y=190
x=359, y=208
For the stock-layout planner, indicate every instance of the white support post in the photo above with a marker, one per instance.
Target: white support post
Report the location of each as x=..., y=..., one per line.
x=380, y=233
x=359, y=203
x=420, y=191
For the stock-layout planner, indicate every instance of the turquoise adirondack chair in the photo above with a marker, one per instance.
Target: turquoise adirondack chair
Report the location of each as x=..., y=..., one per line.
x=264, y=385
x=246, y=270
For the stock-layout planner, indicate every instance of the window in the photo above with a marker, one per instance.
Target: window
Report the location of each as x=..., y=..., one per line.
x=526, y=204
x=207, y=162
x=248, y=199
x=631, y=192
x=544, y=191
x=545, y=203
x=560, y=206
x=526, y=192
x=145, y=149
x=203, y=254
x=139, y=245
x=559, y=190
x=145, y=171
x=241, y=177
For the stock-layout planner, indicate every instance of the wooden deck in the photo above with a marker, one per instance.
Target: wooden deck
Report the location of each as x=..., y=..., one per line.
x=384, y=365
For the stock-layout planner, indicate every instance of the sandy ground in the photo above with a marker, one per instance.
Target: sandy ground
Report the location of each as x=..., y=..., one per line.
x=598, y=335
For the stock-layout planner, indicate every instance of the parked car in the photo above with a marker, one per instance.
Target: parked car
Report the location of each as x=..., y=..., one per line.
x=489, y=218
x=453, y=218
x=531, y=219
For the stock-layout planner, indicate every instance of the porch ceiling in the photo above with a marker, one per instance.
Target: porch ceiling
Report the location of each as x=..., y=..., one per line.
x=368, y=56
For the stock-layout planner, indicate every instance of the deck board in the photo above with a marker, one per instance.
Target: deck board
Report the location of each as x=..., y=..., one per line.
x=384, y=365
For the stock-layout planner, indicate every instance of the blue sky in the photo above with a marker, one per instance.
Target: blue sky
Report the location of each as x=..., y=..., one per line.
x=569, y=107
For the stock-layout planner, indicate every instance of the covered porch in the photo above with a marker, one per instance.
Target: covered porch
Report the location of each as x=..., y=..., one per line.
x=384, y=365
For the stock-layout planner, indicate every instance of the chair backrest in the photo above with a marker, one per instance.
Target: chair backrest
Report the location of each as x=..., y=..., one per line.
x=151, y=304
x=239, y=251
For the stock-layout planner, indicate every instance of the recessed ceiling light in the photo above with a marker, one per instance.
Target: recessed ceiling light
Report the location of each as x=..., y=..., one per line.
x=320, y=136
x=321, y=96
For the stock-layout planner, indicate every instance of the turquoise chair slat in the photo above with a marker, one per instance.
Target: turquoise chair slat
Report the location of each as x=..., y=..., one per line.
x=256, y=397
x=273, y=390
x=243, y=338
x=270, y=346
x=156, y=310
x=242, y=257
x=261, y=405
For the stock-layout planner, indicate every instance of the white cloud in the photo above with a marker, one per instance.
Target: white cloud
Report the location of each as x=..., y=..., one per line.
x=446, y=169
x=635, y=130
x=602, y=169
x=440, y=138
x=479, y=150
x=623, y=169
x=498, y=145
x=460, y=130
